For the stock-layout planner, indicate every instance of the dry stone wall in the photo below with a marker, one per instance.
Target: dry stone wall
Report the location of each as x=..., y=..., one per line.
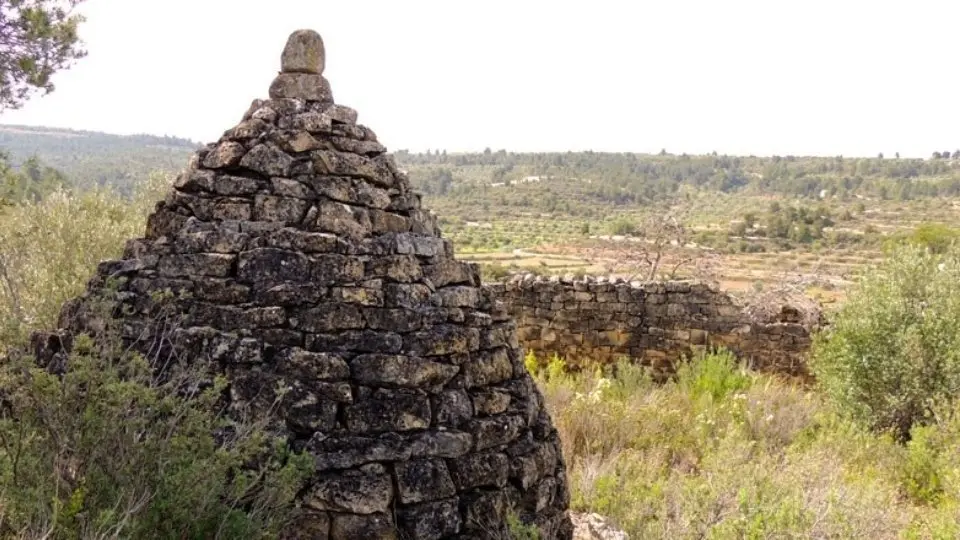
x=298, y=257
x=602, y=320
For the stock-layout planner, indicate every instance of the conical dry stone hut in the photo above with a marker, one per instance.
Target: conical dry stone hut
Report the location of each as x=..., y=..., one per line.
x=302, y=257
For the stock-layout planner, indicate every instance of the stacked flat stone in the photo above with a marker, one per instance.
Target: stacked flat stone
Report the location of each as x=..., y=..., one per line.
x=309, y=263
x=589, y=320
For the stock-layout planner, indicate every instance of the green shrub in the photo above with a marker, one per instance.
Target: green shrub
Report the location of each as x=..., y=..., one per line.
x=48, y=250
x=518, y=530
x=893, y=350
x=921, y=474
x=716, y=375
x=936, y=237
x=623, y=226
x=493, y=271
x=116, y=448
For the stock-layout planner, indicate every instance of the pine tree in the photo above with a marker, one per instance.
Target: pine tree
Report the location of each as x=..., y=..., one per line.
x=37, y=39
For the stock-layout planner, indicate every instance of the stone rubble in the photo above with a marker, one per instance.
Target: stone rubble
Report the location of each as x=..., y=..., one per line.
x=302, y=258
x=595, y=527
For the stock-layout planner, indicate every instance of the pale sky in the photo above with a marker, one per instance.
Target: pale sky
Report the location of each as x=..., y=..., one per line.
x=758, y=77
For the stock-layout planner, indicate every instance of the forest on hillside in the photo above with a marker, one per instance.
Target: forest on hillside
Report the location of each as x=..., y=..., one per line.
x=574, y=183
x=564, y=180
x=89, y=158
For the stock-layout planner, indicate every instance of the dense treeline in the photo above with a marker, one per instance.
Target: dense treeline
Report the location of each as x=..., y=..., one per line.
x=624, y=179
x=575, y=183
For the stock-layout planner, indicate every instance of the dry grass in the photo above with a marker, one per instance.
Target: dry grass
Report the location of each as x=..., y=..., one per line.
x=722, y=453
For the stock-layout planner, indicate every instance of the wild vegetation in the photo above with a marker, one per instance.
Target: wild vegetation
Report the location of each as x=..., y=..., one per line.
x=118, y=446
x=718, y=452
x=726, y=454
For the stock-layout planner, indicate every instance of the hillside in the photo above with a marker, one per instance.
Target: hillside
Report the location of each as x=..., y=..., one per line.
x=565, y=211
x=90, y=158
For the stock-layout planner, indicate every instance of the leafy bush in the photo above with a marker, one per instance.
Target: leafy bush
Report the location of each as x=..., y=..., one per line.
x=893, y=350
x=922, y=473
x=114, y=447
x=623, y=227
x=715, y=375
x=936, y=237
x=48, y=249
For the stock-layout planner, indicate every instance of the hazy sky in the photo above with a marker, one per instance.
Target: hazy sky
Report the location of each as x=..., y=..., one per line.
x=759, y=77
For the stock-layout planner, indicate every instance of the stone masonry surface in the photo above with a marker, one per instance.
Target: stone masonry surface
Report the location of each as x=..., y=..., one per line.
x=602, y=320
x=308, y=262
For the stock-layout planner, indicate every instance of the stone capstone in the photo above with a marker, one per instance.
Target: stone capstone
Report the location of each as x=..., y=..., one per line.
x=304, y=53
x=292, y=257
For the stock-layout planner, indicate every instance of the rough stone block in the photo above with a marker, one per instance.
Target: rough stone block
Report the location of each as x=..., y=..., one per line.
x=490, y=402
x=343, y=219
x=388, y=411
x=400, y=268
x=423, y=480
x=308, y=525
x=481, y=470
x=328, y=269
x=284, y=209
x=309, y=86
x=233, y=186
x=400, y=371
x=312, y=122
x=341, y=114
x=372, y=527
x=366, y=341
x=221, y=291
x=459, y=296
x=343, y=164
x=354, y=146
x=196, y=264
x=215, y=241
x=288, y=294
x=307, y=242
x=387, y=222
x=271, y=265
x=405, y=295
x=307, y=412
x=430, y=521
x=311, y=366
x=487, y=367
x=346, y=451
x=227, y=154
x=452, y=408
x=368, y=490
x=330, y=317
x=397, y=320
x=268, y=160
x=495, y=430
x=246, y=130
x=442, y=340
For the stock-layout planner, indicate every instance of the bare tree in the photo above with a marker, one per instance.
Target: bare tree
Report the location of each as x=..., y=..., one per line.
x=659, y=250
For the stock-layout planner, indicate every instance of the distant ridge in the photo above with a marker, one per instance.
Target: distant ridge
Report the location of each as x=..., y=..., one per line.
x=91, y=158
